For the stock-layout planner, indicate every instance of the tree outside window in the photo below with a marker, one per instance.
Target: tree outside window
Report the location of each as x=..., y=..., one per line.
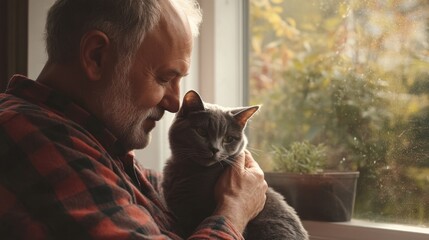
x=353, y=75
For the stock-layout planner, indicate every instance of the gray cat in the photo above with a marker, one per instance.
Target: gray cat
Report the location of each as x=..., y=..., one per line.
x=204, y=139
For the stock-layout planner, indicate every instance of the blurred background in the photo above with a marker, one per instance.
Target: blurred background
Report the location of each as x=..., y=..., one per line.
x=354, y=76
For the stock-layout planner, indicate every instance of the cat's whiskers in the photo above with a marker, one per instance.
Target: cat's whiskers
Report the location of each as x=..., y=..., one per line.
x=220, y=162
x=255, y=151
x=233, y=164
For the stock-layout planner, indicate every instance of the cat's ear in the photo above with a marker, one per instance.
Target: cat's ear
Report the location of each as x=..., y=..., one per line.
x=242, y=115
x=192, y=102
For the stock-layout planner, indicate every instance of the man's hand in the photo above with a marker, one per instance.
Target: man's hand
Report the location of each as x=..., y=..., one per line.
x=240, y=191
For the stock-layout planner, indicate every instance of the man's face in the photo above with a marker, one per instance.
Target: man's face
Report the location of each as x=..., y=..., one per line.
x=137, y=98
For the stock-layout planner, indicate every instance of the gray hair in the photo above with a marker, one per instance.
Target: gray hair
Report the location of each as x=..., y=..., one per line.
x=125, y=22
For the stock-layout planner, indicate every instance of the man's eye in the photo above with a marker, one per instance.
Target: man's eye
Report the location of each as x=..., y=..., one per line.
x=168, y=77
x=201, y=131
x=165, y=79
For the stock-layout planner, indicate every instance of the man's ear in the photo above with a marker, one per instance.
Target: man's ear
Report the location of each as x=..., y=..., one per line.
x=94, y=52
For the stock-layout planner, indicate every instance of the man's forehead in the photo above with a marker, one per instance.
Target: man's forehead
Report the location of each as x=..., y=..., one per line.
x=174, y=22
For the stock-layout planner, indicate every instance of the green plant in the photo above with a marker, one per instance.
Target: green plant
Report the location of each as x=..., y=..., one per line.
x=301, y=157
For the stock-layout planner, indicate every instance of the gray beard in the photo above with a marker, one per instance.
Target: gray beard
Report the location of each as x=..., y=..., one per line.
x=122, y=117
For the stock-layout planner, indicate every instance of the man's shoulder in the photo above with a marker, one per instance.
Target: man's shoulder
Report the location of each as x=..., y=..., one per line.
x=19, y=116
x=12, y=106
x=30, y=129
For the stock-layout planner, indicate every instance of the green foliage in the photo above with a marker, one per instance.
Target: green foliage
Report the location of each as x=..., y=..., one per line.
x=301, y=157
x=353, y=76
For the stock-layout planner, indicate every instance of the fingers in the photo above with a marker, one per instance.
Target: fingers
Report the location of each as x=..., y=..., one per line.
x=249, y=161
x=245, y=159
x=241, y=195
x=240, y=160
x=250, y=164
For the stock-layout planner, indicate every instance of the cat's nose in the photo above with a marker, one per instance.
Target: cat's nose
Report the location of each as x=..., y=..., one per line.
x=214, y=150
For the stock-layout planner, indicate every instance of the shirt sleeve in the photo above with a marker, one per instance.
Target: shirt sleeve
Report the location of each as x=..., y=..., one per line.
x=56, y=182
x=216, y=227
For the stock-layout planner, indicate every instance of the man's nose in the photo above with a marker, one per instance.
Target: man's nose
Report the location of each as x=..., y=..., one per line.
x=171, y=101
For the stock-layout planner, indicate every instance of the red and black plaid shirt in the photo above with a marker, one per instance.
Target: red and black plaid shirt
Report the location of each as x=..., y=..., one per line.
x=64, y=176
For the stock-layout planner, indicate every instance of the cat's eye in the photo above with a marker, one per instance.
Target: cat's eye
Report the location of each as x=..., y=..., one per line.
x=201, y=131
x=228, y=139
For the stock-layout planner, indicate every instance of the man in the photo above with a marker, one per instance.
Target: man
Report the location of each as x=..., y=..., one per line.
x=66, y=171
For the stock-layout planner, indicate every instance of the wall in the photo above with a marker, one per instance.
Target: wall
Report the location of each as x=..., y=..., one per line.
x=37, y=11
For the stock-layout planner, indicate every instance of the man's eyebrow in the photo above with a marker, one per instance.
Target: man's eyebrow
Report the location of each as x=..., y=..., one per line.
x=178, y=73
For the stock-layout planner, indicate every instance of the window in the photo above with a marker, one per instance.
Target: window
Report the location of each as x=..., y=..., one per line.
x=353, y=75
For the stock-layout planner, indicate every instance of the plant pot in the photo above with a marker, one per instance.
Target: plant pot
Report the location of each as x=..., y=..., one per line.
x=327, y=196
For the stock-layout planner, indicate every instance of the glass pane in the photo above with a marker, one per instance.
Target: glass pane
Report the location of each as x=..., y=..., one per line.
x=352, y=75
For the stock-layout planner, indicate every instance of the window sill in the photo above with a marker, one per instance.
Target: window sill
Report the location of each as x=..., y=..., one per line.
x=359, y=229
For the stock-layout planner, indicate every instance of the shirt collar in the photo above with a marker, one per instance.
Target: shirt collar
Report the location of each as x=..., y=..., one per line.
x=42, y=95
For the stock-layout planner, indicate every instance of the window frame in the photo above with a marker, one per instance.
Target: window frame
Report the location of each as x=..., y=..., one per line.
x=360, y=229
x=13, y=39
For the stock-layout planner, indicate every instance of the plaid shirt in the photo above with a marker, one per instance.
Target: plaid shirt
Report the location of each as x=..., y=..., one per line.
x=64, y=176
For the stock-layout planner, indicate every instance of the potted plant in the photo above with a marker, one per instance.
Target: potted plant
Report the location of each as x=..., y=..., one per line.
x=315, y=194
